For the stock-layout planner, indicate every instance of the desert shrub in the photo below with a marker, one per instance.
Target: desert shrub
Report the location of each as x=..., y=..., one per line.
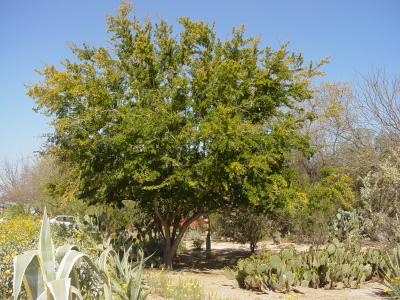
x=381, y=200
x=336, y=266
x=244, y=226
x=196, y=236
x=310, y=228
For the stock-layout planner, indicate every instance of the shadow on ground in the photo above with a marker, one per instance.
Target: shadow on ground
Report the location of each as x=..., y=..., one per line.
x=196, y=260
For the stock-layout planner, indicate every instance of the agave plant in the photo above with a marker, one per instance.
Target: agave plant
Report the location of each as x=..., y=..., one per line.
x=391, y=273
x=124, y=277
x=36, y=269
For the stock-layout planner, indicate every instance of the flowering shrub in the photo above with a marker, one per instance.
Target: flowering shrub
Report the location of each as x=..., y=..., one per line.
x=17, y=234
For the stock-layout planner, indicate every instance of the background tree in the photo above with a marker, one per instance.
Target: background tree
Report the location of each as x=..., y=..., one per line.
x=182, y=124
x=379, y=95
x=337, y=132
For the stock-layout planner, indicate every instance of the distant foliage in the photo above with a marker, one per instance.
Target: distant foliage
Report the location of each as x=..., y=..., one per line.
x=322, y=200
x=380, y=197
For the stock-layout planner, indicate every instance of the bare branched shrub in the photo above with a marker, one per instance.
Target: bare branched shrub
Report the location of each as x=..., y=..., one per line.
x=15, y=177
x=26, y=180
x=379, y=95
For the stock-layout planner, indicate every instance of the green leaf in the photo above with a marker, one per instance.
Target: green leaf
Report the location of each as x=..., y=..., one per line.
x=46, y=250
x=60, y=289
x=33, y=279
x=62, y=250
x=67, y=263
x=21, y=264
x=76, y=292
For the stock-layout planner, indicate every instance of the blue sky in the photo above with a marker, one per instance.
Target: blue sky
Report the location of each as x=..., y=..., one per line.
x=358, y=35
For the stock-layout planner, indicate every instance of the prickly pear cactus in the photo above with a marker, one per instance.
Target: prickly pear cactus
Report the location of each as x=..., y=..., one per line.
x=338, y=265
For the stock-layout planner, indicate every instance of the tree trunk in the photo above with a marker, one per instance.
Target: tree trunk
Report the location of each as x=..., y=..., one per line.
x=252, y=247
x=208, y=239
x=170, y=248
x=172, y=239
x=168, y=255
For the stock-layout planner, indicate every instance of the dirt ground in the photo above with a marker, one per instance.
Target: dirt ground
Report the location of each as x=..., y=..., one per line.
x=217, y=285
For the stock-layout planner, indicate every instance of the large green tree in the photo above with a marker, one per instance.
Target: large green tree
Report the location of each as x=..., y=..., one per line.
x=181, y=123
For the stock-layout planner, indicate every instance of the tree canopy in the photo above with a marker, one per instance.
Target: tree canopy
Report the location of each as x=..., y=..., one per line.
x=182, y=123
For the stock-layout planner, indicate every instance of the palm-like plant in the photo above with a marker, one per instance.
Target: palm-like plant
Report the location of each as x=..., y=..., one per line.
x=36, y=269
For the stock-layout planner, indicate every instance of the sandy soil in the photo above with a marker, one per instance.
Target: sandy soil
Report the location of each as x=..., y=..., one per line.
x=217, y=285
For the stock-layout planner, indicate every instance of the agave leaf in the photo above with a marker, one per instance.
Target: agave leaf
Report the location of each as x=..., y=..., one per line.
x=139, y=276
x=33, y=279
x=60, y=289
x=62, y=250
x=126, y=265
x=67, y=263
x=75, y=279
x=104, y=257
x=21, y=263
x=43, y=296
x=138, y=263
x=107, y=291
x=46, y=250
x=76, y=292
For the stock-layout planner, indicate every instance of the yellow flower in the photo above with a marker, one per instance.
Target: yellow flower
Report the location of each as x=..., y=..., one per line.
x=7, y=272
